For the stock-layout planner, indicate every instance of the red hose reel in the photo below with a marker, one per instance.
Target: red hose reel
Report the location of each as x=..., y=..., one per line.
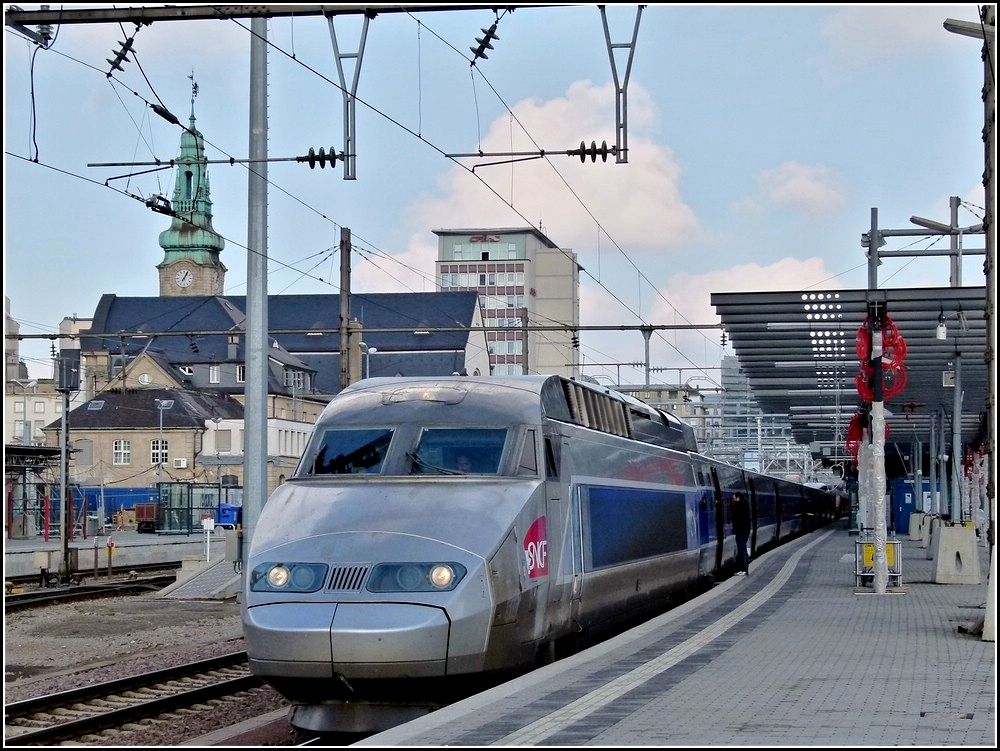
x=893, y=354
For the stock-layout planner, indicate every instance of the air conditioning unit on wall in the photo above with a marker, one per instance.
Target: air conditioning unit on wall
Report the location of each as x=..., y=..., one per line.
x=180, y=463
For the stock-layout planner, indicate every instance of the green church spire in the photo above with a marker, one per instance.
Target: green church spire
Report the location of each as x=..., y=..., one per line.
x=190, y=235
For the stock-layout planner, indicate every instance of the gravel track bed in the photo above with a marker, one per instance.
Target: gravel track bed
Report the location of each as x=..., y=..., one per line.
x=60, y=647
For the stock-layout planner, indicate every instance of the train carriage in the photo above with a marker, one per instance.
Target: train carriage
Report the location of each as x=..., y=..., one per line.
x=442, y=534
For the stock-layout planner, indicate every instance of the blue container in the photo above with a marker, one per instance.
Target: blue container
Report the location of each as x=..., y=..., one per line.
x=904, y=502
x=229, y=515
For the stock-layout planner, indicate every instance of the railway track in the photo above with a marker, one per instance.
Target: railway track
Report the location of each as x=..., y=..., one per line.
x=16, y=601
x=76, y=716
x=33, y=581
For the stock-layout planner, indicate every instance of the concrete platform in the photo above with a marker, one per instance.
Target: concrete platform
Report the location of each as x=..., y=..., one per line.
x=21, y=557
x=794, y=654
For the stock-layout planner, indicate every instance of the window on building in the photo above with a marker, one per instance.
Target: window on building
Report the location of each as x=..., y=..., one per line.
x=297, y=379
x=159, y=451
x=121, y=452
x=39, y=408
x=19, y=407
x=214, y=374
x=224, y=441
x=186, y=370
x=241, y=373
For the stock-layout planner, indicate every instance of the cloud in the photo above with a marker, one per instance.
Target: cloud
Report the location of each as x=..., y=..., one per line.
x=692, y=294
x=859, y=36
x=638, y=204
x=802, y=186
x=409, y=270
x=682, y=350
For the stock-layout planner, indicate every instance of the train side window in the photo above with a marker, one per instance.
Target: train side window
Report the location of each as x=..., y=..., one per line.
x=551, y=459
x=528, y=464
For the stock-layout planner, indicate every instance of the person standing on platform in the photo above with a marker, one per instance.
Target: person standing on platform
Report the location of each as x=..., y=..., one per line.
x=739, y=510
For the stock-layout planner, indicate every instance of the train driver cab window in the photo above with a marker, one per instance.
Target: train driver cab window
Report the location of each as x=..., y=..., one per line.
x=351, y=451
x=528, y=465
x=458, y=451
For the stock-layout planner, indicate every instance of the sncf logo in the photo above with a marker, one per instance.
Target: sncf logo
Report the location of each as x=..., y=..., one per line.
x=536, y=549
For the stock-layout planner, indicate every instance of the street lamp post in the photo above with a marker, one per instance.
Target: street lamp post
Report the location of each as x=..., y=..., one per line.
x=218, y=464
x=161, y=405
x=26, y=431
x=368, y=351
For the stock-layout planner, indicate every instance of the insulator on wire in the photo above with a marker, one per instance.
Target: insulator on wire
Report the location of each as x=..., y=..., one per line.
x=320, y=157
x=166, y=114
x=484, y=43
x=120, y=57
x=593, y=151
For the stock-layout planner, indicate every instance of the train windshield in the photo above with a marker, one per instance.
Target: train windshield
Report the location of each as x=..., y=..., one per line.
x=458, y=451
x=351, y=451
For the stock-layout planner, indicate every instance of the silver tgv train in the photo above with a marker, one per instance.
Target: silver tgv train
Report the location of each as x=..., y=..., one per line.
x=441, y=534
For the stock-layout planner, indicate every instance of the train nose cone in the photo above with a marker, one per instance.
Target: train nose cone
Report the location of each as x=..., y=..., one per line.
x=375, y=639
x=298, y=633
x=357, y=640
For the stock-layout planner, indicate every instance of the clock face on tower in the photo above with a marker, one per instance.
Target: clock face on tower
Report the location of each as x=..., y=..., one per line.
x=184, y=278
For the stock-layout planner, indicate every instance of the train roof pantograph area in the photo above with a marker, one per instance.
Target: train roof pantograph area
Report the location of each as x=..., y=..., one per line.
x=799, y=351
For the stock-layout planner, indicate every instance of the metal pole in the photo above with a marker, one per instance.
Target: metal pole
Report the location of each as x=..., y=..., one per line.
x=932, y=452
x=64, y=507
x=255, y=406
x=159, y=453
x=944, y=505
x=956, y=444
x=956, y=239
x=918, y=476
x=25, y=425
x=646, y=333
x=345, y=305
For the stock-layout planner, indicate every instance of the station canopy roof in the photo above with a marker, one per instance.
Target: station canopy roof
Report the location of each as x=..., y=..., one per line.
x=799, y=351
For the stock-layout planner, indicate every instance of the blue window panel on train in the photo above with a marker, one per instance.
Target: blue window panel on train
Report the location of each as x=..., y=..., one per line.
x=629, y=524
x=706, y=519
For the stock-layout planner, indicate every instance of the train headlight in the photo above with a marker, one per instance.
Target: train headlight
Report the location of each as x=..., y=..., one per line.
x=278, y=577
x=288, y=577
x=415, y=577
x=442, y=575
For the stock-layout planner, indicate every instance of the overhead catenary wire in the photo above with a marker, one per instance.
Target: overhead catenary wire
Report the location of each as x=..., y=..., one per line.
x=420, y=137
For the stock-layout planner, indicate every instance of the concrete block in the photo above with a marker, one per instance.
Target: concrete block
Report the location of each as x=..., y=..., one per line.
x=192, y=563
x=930, y=527
x=916, y=525
x=956, y=556
x=990, y=621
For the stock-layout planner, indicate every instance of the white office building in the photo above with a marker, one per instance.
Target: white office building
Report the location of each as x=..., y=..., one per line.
x=529, y=295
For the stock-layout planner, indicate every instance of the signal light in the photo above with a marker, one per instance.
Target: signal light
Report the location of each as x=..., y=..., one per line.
x=593, y=151
x=484, y=43
x=322, y=157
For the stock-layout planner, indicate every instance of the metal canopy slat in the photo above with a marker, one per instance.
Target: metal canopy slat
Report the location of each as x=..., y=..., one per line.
x=776, y=338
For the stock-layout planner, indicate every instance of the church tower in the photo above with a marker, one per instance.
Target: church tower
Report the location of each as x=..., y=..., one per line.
x=191, y=265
